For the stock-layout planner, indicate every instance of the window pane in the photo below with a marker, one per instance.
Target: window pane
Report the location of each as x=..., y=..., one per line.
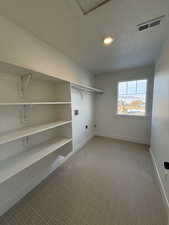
x=141, y=86
x=132, y=102
x=131, y=89
x=122, y=88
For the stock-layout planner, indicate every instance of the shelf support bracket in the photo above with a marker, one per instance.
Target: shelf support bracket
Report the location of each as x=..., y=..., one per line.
x=25, y=113
x=25, y=141
x=24, y=84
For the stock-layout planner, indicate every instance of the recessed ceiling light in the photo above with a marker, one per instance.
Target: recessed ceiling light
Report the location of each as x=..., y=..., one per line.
x=108, y=40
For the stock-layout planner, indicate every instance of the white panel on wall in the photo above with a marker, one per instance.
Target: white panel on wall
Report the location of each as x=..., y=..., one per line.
x=84, y=102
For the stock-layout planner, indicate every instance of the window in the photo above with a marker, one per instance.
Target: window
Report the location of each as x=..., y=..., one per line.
x=132, y=98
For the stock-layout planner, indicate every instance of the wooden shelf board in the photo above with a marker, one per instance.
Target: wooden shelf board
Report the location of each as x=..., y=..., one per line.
x=88, y=88
x=16, y=164
x=27, y=131
x=32, y=103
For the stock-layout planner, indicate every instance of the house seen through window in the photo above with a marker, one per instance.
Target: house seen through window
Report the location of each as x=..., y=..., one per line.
x=132, y=98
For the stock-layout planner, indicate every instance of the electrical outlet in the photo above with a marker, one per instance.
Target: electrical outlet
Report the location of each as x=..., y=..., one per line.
x=86, y=126
x=166, y=165
x=76, y=112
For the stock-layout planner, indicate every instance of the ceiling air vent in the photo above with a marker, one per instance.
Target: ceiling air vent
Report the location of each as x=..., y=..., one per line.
x=150, y=23
x=143, y=27
x=155, y=23
x=88, y=6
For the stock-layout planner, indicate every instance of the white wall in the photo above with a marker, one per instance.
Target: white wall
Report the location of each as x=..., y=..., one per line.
x=85, y=103
x=21, y=48
x=160, y=118
x=109, y=124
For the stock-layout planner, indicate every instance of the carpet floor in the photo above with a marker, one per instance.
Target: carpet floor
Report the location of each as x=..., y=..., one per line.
x=108, y=182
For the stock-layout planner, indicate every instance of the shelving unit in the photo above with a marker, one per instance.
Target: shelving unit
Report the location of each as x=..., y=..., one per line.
x=16, y=164
x=24, y=128
x=29, y=134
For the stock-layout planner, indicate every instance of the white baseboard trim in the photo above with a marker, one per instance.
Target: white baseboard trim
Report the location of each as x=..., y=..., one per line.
x=122, y=138
x=162, y=189
x=83, y=143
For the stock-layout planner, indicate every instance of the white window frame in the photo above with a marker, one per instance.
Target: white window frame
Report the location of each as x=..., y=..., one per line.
x=146, y=103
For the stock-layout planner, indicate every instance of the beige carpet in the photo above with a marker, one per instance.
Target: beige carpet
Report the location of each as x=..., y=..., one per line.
x=109, y=182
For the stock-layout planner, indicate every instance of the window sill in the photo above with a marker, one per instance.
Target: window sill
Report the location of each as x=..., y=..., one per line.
x=146, y=117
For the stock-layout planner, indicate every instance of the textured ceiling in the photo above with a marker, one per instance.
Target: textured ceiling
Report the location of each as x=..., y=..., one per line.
x=61, y=24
